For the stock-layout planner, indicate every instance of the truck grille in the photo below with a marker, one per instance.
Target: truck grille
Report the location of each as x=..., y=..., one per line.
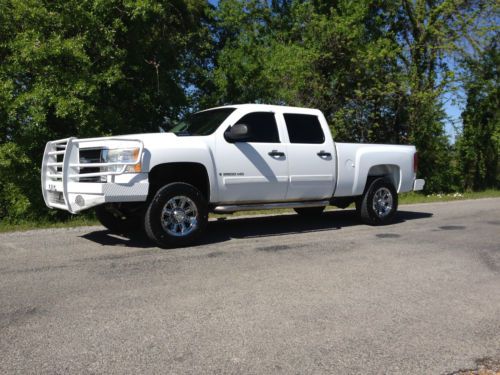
x=90, y=156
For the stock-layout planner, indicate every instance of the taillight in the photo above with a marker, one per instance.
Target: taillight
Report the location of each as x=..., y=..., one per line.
x=415, y=162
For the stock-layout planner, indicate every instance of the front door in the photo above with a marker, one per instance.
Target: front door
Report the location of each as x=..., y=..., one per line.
x=255, y=170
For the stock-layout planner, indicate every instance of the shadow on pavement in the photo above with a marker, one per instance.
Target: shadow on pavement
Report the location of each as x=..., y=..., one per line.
x=239, y=228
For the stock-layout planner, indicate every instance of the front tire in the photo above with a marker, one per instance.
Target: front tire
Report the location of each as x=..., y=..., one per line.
x=379, y=203
x=176, y=216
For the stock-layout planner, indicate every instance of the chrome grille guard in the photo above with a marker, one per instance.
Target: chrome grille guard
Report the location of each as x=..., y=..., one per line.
x=61, y=166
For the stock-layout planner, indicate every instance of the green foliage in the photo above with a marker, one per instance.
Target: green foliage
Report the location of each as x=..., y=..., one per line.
x=92, y=67
x=89, y=68
x=429, y=31
x=378, y=70
x=479, y=142
x=333, y=58
x=16, y=187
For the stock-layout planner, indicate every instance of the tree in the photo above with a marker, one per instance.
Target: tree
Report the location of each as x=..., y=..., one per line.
x=333, y=56
x=377, y=70
x=479, y=142
x=430, y=32
x=90, y=67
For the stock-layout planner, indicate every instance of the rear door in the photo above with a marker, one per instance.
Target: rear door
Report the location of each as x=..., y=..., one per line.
x=311, y=156
x=255, y=170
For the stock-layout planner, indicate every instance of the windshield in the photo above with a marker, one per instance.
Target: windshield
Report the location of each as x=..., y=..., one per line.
x=202, y=123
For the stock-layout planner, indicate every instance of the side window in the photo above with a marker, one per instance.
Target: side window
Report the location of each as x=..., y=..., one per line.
x=261, y=127
x=304, y=128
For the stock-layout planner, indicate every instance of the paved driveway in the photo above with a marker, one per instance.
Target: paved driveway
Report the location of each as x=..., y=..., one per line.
x=268, y=295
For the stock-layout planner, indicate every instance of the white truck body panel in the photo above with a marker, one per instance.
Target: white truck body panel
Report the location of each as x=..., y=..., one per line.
x=248, y=174
x=238, y=172
x=358, y=161
x=311, y=176
x=168, y=148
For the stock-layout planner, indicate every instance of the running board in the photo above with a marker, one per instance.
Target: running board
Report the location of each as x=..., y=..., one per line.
x=268, y=206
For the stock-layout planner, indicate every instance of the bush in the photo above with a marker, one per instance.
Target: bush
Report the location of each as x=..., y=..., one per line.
x=18, y=183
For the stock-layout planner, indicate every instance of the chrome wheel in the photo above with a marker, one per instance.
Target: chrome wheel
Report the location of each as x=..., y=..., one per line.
x=382, y=202
x=179, y=216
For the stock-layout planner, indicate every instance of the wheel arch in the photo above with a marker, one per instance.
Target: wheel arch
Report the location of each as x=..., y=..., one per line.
x=390, y=171
x=192, y=173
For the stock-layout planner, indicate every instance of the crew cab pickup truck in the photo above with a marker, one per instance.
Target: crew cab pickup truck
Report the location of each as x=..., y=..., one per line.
x=225, y=159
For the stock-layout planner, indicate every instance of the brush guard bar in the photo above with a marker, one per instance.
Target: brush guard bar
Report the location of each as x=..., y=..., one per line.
x=60, y=175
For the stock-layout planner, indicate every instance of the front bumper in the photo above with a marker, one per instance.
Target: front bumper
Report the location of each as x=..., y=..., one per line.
x=83, y=195
x=61, y=185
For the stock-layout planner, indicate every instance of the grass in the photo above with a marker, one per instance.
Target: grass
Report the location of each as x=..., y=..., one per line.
x=405, y=198
x=411, y=198
x=73, y=221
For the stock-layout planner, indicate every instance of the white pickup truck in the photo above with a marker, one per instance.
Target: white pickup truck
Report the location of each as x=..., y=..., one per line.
x=226, y=159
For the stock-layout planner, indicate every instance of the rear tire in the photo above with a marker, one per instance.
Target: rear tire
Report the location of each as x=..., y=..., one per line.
x=379, y=203
x=310, y=211
x=117, y=219
x=176, y=216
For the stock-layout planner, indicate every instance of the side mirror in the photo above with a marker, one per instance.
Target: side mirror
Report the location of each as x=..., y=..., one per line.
x=236, y=133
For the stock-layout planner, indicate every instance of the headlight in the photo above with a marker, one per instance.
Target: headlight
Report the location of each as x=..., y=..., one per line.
x=122, y=155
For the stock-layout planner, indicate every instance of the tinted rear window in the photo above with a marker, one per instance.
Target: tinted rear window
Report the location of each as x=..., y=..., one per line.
x=304, y=128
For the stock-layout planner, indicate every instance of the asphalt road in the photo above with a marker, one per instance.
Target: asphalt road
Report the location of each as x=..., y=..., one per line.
x=262, y=295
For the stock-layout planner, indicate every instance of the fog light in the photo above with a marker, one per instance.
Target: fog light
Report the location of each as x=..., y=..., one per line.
x=79, y=200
